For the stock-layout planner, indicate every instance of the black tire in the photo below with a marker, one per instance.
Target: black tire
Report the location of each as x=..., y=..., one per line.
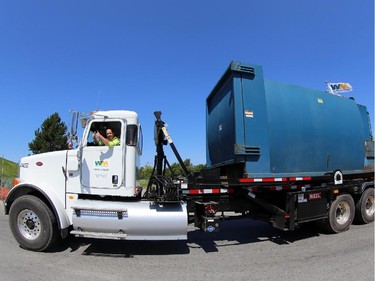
x=33, y=223
x=340, y=214
x=364, y=209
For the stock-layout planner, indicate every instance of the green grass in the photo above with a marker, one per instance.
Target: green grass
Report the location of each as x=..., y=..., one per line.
x=8, y=169
x=143, y=183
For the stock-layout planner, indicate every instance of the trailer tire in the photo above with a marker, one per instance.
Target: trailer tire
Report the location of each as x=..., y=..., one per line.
x=32, y=223
x=364, y=209
x=340, y=214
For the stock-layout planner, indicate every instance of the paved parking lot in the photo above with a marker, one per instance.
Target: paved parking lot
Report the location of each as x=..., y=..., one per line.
x=243, y=250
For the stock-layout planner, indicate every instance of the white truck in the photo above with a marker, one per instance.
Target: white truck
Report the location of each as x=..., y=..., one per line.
x=257, y=168
x=90, y=191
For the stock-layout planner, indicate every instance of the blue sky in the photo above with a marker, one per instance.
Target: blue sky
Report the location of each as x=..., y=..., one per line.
x=168, y=55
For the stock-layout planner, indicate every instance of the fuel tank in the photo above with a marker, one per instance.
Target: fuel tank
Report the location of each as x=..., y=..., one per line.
x=279, y=129
x=138, y=220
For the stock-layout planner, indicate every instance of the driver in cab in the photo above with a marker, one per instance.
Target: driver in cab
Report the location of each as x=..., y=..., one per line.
x=110, y=141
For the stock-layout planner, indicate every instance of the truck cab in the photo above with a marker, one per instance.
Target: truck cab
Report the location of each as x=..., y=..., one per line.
x=103, y=170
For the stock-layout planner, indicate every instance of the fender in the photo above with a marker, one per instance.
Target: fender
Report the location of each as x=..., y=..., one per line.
x=365, y=185
x=48, y=195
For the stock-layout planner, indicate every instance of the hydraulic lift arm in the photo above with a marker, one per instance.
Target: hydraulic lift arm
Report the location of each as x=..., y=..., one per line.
x=162, y=137
x=160, y=187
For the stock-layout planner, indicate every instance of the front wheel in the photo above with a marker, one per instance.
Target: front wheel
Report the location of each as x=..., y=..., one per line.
x=340, y=214
x=32, y=223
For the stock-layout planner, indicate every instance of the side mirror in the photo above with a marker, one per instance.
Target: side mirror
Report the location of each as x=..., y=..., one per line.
x=84, y=121
x=73, y=128
x=74, y=122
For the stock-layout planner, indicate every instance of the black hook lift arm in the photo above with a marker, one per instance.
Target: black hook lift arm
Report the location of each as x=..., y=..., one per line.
x=162, y=137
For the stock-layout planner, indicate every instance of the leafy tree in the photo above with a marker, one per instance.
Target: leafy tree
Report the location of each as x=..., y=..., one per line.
x=52, y=136
x=178, y=171
x=198, y=168
x=145, y=172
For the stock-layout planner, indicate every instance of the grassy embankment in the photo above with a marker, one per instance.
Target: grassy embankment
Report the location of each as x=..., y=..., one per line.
x=8, y=171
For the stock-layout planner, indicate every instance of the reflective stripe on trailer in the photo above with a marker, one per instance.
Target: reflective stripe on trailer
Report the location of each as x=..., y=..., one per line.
x=300, y=179
x=250, y=180
x=245, y=180
x=207, y=191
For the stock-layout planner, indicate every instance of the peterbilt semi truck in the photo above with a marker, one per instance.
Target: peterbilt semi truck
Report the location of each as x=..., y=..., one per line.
x=276, y=152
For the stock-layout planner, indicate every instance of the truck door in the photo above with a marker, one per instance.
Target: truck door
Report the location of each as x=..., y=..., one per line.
x=102, y=166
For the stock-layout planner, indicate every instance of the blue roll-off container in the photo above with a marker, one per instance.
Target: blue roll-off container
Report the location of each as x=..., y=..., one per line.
x=277, y=129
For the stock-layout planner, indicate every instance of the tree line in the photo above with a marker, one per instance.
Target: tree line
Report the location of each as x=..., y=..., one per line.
x=146, y=171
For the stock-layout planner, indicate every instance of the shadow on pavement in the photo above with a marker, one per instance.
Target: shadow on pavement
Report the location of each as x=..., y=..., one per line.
x=246, y=231
x=232, y=233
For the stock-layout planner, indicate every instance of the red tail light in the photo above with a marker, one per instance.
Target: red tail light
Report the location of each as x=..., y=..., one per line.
x=210, y=209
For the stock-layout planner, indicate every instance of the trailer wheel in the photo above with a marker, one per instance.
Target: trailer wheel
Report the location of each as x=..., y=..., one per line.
x=32, y=223
x=340, y=214
x=364, y=209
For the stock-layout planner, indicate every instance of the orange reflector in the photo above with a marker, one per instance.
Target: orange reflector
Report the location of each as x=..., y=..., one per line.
x=16, y=181
x=71, y=197
x=336, y=191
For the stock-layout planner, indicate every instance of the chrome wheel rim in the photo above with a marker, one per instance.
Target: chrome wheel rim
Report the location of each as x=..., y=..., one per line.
x=342, y=213
x=369, y=205
x=28, y=224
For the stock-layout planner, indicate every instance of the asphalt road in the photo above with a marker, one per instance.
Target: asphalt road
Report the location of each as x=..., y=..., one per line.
x=243, y=250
